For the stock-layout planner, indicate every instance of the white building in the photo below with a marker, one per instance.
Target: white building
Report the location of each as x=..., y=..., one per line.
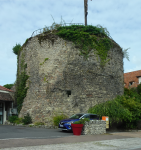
x=6, y=102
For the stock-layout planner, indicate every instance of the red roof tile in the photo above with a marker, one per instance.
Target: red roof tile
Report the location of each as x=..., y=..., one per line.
x=5, y=89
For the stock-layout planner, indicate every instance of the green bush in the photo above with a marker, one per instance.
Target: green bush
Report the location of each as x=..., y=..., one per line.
x=39, y=123
x=132, y=93
x=58, y=118
x=132, y=105
x=27, y=119
x=16, y=48
x=113, y=109
x=139, y=89
x=82, y=121
x=8, y=86
x=88, y=38
x=126, y=109
x=12, y=119
x=19, y=121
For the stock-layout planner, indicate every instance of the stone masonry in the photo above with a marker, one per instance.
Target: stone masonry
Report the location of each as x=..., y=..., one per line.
x=94, y=127
x=66, y=82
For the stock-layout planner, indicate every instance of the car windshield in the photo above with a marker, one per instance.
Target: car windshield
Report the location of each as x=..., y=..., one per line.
x=76, y=116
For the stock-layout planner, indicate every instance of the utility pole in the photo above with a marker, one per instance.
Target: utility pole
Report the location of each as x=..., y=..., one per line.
x=85, y=11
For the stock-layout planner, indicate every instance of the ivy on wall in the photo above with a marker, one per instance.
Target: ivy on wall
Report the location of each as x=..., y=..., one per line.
x=88, y=38
x=21, y=88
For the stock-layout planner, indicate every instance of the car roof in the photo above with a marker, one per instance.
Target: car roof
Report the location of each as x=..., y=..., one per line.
x=87, y=114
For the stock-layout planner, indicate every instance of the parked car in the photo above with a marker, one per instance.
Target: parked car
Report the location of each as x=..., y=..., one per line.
x=65, y=124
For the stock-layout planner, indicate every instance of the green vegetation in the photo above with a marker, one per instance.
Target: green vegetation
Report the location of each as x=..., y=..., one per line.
x=125, y=54
x=21, y=89
x=19, y=121
x=39, y=123
x=27, y=119
x=88, y=38
x=12, y=119
x=8, y=86
x=16, y=49
x=57, y=118
x=125, y=108
x=15, y=119
x=82, y=121
x=44, y=61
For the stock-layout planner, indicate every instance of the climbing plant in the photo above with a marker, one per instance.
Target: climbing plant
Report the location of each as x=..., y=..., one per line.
x=21, y=88
x=88, y=38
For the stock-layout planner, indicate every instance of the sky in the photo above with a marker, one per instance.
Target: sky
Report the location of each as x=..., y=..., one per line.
x=20, y=18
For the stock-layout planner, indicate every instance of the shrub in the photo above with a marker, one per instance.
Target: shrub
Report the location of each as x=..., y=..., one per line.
x=27, y=119
x=132, y=93
x=139, y=89
x=12, y=119
x=81, y=121
x=39, y=123
x=8, y=86
x=57, y=118
x=132, y=105
x=123, y=108
x=19, y=121
x=113, y=109
x=16, y=48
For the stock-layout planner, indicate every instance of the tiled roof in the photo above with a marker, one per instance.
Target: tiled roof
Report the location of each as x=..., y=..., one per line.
x=5, y=89
x=132, y=77
x=5, y=97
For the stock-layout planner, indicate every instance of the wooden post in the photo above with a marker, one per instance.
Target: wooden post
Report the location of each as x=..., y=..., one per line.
x=85, y=11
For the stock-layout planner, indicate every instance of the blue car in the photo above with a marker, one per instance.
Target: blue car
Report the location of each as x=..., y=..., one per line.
x=65, y=124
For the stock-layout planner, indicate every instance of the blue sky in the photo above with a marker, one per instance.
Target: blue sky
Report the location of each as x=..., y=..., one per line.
x=19, y=18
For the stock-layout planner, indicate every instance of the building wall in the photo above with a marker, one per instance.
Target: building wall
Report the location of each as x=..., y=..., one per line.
x=132, y=77
x=64, y=73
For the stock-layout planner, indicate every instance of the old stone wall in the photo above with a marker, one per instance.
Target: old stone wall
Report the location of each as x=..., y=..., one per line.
x=94, y=127
x=66, y=82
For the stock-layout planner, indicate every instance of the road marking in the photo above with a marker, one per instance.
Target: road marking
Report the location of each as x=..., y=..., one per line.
x=31, y=138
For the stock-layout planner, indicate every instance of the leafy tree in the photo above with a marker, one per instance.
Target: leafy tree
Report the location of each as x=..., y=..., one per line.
x=139, y=89
x=8, y=86
x=16, y=49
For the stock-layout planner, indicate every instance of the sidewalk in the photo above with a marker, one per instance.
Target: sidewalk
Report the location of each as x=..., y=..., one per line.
x=108, y=141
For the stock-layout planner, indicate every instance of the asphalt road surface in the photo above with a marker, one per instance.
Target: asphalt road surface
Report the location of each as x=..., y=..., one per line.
x=13, y=132
x=29, y=138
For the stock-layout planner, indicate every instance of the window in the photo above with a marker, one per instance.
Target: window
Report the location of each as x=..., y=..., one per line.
x=131, y=83
x=93, y=117
x=139, y=80
x=86, y=116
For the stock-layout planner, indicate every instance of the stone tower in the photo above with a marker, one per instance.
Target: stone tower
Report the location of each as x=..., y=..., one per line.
x=61, y=80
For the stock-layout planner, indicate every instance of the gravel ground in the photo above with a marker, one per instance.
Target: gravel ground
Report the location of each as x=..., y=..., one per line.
x=115, y=144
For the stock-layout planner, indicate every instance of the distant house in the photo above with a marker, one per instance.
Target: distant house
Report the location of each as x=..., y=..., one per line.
x=6, y=102
x=132, y=79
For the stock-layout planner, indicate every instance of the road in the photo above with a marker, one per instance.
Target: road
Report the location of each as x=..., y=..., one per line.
x=10, y=132
x=27, y=138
